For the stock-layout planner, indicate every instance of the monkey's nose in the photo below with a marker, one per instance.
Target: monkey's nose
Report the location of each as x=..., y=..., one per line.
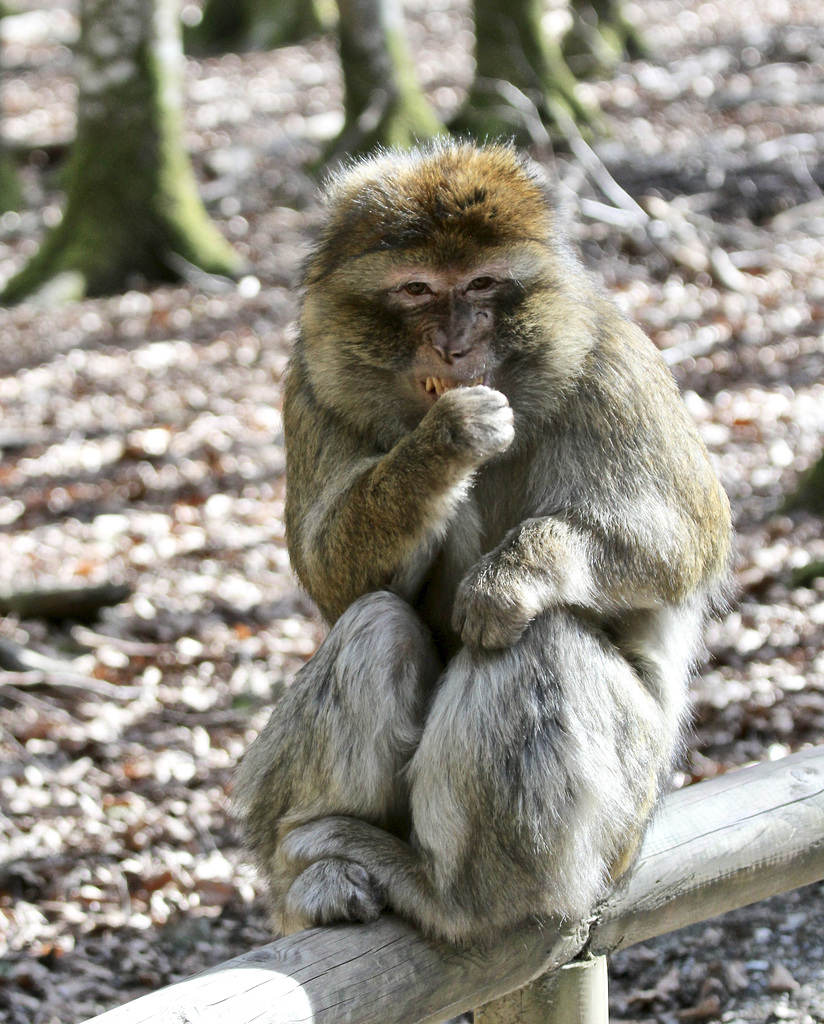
x=451, y=349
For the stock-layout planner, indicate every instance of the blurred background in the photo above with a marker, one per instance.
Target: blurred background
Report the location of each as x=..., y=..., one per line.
x=155, y=208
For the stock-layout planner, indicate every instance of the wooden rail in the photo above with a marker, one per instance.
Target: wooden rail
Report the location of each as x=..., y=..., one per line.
x=713, y=847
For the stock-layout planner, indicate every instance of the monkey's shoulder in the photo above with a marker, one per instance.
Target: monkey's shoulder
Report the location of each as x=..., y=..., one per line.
x=315, y=434
x=627, y=387
x=625, y=442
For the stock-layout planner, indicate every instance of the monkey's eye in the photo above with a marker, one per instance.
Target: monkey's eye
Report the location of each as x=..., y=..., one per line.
x=480, y=284
x=417, y=288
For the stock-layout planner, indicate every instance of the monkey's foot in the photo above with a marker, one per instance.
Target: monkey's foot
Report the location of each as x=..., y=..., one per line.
x=332, y=890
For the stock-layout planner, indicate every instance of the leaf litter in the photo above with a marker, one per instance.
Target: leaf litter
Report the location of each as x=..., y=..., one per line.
x=142, y=445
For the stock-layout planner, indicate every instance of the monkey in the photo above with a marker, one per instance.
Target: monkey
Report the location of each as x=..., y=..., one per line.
x=503, y=511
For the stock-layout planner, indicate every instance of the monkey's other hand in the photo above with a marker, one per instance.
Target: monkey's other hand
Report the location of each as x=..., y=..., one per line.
x=332, y=890
x=477, y=420
x=489, y=614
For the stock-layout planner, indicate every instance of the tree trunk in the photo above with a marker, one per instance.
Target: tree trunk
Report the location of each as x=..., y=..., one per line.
x=240, y=25
x=810, y=493
x=512, y=50
x=384, y=104
x=133, y=210
x=10, y=194
x=600, y=36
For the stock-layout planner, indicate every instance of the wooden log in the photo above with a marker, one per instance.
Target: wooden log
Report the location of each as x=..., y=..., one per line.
x=574, y=994
x=712, y=848
x=577, y=993
x=384, y=973
x=720, y=845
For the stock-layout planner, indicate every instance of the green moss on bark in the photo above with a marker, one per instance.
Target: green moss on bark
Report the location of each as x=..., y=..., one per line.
x=512, y=49
x=600, y=36
x=132, y=204
x=239, y=25
x=384, y=104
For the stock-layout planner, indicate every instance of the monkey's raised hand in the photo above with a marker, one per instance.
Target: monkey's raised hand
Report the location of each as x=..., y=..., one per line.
x=477, y=422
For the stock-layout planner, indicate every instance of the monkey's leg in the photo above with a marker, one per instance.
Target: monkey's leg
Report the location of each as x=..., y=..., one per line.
x=337, y=742
x=531, y=786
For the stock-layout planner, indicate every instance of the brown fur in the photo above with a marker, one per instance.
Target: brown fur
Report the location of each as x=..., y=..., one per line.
x=553, y=538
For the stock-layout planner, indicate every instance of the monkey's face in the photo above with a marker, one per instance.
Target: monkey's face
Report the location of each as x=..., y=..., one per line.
x=398, y=330
x=435, y=270
x=451, y=321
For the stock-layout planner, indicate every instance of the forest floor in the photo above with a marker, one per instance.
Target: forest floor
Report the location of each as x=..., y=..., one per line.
x=141, y=443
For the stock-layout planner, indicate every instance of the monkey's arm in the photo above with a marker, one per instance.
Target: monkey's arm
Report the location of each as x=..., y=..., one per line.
x=356, y=520
x=638, y=518
x=638, y=562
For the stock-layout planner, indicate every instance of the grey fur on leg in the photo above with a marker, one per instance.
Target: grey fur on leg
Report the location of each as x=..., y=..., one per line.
x=530, y=787
x=338, y=742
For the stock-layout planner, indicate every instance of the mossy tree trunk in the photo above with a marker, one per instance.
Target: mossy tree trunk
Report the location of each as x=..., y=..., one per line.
x=384, y=105
x=132, y=209
x=512, y=49
x=239, y=25
x=810, y=493
x=808, y=497
x=10, y=193
x=600, y=36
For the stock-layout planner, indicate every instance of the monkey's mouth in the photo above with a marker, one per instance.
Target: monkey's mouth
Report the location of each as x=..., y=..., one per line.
x=438, y=385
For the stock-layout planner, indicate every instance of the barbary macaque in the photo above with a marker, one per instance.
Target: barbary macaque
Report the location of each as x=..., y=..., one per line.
x=500, y=505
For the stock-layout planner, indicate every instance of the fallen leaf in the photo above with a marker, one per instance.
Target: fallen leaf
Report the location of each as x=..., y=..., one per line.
x=781, y=980
x=705, y=1010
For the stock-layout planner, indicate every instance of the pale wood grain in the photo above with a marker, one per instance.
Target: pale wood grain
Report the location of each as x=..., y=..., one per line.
x=574, y=994
x=720, y=845
x=712, y=848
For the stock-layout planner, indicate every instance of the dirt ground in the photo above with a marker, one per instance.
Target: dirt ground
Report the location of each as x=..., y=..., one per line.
x=142, y=445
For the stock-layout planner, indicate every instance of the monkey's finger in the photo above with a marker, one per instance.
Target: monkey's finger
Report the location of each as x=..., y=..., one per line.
x=495, y=431
x=501, y=635
x=479, y=396
x=487, y=393
x=475, y=631
x=491, y=628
